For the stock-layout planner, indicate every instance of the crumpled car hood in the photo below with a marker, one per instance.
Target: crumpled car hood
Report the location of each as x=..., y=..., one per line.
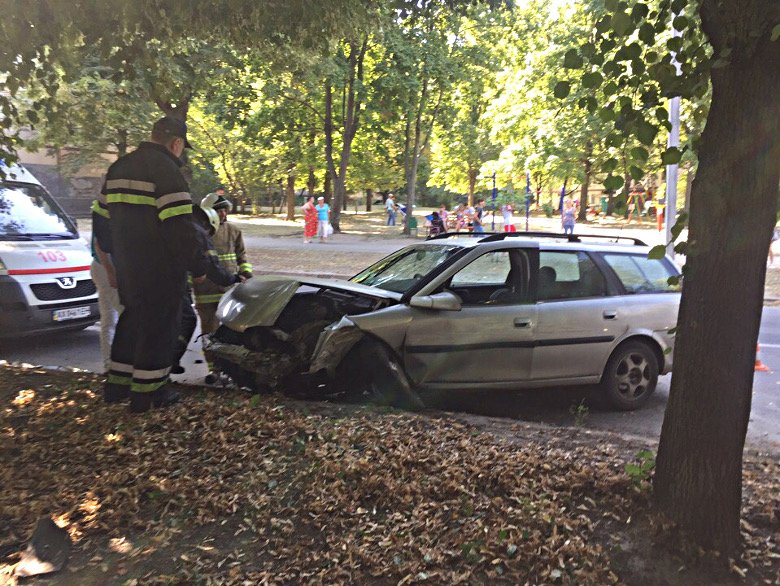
x=261, y=300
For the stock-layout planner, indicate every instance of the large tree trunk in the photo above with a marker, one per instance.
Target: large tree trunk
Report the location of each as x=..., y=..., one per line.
x=690, y=173
x=352, y=100
x=339, y=202
x=610, y=203
x=472, y=173
x=311, y=182
x=414, y=147
x=698, y=481
x=327, y=188
x=369, y=198
x=290, y=197
x=121, y=144
x=582, y=215
x=411, y=193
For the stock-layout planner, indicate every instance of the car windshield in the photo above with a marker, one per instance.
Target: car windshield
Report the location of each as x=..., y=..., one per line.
x=27, y=212
x=402, y=270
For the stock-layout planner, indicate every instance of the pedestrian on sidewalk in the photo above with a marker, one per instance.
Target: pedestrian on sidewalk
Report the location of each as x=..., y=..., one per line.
x=391, y=209
x=568, y=217
x=309, y=220
x=509, y=223
x=323, y=219
x=775, y=238
x=103, y=275
x=479, y=212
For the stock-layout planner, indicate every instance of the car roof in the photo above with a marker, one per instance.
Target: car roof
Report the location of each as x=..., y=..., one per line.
x=543, y=241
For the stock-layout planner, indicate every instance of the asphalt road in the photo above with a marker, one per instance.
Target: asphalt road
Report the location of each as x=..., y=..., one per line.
x=566, y=407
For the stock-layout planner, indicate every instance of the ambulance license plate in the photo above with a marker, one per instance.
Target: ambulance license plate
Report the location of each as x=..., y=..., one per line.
x=70, y=313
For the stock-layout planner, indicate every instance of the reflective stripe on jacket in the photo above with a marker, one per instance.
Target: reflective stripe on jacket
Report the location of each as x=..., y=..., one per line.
x=229, y=244
x=143, y=217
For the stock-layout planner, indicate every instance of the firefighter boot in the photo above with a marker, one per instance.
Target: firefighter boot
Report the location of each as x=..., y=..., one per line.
x=115, y=393
x=162, y=397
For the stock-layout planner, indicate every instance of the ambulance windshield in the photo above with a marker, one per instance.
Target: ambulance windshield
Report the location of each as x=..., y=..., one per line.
x=27, y=212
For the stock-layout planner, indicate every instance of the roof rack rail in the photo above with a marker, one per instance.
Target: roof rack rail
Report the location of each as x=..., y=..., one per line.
x=445, y=235
x=497, y=236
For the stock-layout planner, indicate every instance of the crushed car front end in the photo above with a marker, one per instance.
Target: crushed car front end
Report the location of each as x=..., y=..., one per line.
x=274, y=327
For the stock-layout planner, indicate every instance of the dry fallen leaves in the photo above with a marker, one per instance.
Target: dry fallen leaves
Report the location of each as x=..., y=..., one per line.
x=320, y=493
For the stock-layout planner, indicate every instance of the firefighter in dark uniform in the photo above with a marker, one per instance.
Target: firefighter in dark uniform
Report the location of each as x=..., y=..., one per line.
x=144, y=218
x=206, y=224
x=229, y=243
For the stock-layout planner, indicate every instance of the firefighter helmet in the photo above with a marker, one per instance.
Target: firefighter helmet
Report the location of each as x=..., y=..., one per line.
x=208, y=218
x=222, y=204
x=217, y=202
x=213, y=219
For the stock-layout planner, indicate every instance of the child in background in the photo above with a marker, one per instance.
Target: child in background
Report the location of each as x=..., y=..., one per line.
x=568, y=217
x=509, y=223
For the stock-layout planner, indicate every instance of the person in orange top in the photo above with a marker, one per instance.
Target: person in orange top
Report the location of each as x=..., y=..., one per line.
x=309, y=220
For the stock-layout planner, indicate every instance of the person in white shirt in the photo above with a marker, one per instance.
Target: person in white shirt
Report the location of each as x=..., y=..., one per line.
x=390, y=207
x=509, y=223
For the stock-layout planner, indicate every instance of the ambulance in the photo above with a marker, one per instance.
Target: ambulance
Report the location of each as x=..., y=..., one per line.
x=45, y=284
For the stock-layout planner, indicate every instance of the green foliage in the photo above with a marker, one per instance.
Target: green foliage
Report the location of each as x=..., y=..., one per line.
x=446, y=98
x=141, y=39
x=580, y=411
x=631, y=47
x=93, y=109
x=640, y=470
x=657, y=252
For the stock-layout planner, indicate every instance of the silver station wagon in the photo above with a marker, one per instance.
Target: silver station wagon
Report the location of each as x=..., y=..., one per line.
x=460, y=311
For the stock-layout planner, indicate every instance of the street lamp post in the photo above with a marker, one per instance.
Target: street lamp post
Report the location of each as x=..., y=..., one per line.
x=527, y=198
x=493, y=196
x=671, y=170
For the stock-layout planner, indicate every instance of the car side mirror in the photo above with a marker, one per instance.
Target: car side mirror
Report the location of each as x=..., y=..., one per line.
x=444, y=301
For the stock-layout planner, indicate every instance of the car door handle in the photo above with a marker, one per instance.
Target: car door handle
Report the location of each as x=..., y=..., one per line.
x=609, y=314
x=522, y=322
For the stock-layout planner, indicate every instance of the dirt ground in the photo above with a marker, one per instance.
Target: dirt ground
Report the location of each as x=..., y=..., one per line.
x=227, y=488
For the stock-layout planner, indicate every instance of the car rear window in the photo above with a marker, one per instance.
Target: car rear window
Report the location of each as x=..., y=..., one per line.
x=640, y=274
x=568, y=275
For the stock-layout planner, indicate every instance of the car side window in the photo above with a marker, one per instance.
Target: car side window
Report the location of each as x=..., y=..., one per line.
x=568, y=275
x=491, y=268
x=499, y=277
x=640, y=274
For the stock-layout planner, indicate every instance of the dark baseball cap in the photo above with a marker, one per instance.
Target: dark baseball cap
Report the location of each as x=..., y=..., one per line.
x=172, y=127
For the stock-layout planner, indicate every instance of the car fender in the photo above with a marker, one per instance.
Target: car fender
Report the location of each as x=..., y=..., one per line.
x=335, y=341
x=389, y=325
x=662, y=341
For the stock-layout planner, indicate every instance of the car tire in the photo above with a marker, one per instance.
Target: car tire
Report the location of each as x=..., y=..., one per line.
x=373, y=373
x=630, y=376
